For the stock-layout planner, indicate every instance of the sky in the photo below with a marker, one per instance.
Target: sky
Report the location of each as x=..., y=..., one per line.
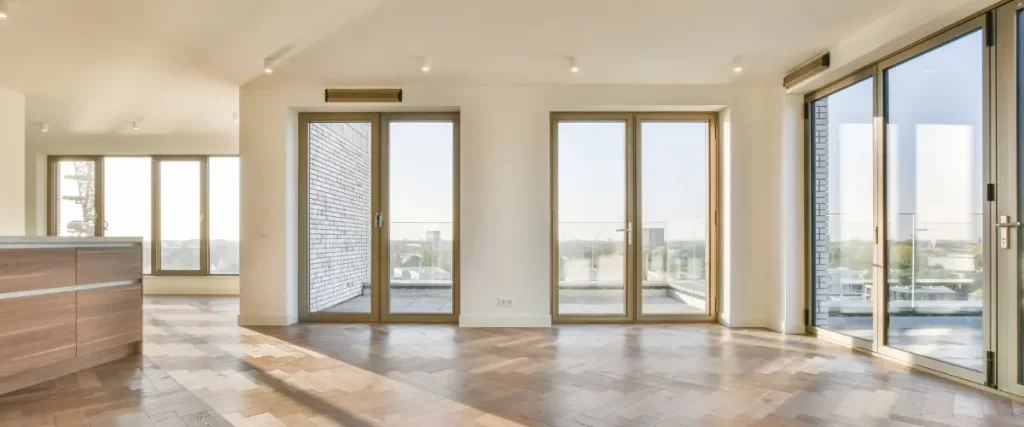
x=592, y=178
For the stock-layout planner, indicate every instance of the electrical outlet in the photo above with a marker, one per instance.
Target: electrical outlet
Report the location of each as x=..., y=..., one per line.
x=504, y=302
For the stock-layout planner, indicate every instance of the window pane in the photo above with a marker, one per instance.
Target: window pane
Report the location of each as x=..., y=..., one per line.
x=339, y=211
x=75, y=198
x=935, y=195
x=180, y=228
x=127, y=201
x=674, y=250
x=421, y=188
x=224, y=226
x=591, y=218
x=842, y=211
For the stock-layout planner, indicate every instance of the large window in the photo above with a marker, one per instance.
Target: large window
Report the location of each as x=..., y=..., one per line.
x=73, y=210
x=224, y=215
x=842, y=235
x=186, y=209
x=180, y=215
x=127, y=191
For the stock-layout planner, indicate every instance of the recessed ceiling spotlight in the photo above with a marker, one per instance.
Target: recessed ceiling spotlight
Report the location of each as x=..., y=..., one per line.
x=44, y=127
x=573, y=66
x=737, y=65
x=425, y=67
x=268, y=66
x=4, y=8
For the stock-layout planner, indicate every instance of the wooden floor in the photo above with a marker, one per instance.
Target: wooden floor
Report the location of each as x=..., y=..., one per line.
x=200, y=369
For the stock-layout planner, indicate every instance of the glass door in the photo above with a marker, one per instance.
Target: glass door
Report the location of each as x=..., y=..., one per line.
x=1009, y=198
x=676, y=208
x=419, y=225
x=593, y=224
x=378, y=200
x=339, y=158
x=634, y=217
x=937, y=246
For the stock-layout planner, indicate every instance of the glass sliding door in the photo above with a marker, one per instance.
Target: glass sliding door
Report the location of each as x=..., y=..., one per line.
x=75, y=191
x=419, y=221
x=378, y=217
x=674, y=234
x=842, y=208
x=610, y=169
x=936, y=170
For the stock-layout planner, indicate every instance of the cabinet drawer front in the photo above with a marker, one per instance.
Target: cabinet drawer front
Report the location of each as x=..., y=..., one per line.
x=33, y=269
x=37, y=331
x=104, y=265
x=109, y=317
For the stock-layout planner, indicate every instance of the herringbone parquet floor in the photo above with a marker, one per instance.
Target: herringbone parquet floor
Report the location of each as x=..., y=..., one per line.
x=200, y=369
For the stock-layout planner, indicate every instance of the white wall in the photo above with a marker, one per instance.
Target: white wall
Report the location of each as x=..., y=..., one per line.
x=183, y=285
x=12, y=168
x=505, y=212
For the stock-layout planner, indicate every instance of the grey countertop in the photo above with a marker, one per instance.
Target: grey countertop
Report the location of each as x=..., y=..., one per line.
x=65, y=241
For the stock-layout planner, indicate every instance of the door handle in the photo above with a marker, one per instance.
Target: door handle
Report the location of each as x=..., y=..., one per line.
x=1004, y=225
x=629, y=232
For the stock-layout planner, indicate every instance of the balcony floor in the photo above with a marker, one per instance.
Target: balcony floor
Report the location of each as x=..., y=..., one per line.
x=440, y=302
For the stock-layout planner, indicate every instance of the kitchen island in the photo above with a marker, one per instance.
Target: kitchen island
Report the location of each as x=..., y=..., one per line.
x=67, y=304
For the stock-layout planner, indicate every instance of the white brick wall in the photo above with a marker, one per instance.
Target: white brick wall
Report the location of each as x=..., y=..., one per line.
x=339, y=212
x=820, y=203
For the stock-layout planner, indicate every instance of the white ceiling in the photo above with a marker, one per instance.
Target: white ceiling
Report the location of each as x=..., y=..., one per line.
x=91, y=67
x=614, y=41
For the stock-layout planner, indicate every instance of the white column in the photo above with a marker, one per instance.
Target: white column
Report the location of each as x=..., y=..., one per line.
x=269, y=252
x=791, y=301
x=12, y=163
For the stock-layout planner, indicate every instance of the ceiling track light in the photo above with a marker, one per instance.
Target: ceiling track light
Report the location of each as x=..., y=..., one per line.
x=268, y=66
x=737, y=65
x=573, y=66
x=425, y=67
x=4, y=9
x=234, y=116
x=135, y=125
x=44, y=127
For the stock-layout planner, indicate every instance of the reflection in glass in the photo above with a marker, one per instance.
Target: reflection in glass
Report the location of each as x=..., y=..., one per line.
x=128, y=203
x=934, y=185
x=180, y=215
x=339, y=213
x=421, y=188
x=75, y=190
x=842, y=215
x=674, y=249
x=591, y=218
x=224, y=215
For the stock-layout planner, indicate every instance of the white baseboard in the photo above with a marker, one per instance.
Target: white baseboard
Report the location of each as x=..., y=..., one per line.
x=505, y=321
x=793, y=328
x=265, y=320
x=185, y=285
